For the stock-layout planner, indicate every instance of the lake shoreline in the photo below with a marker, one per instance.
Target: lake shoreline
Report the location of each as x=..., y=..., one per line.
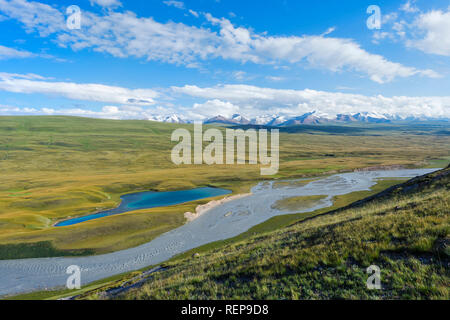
x=203, y=208
x=223, y=221
x=147, y=200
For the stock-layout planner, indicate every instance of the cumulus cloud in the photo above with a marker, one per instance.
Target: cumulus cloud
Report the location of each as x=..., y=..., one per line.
x=226, y=100
x=252, y=101
x=106, y=112
x=91, y=91
x=435, y=26
x=211, y=108
x=427, y=31
x=123, y=34
x=11, y=110
x=35, y=16
x=409, y=6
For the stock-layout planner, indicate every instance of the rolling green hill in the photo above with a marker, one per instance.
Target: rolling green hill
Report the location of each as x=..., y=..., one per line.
x=403, y=230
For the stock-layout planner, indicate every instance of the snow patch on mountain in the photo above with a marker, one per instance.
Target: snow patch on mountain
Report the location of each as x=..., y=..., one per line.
x=309, y=118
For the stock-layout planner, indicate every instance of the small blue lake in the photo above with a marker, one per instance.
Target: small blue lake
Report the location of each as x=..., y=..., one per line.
x=150, y=199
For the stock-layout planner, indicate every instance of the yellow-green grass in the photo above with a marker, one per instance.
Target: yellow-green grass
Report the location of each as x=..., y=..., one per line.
x=298, y=203
x=53, y=168
x=55, y=294
x=282, y=221
x=438, y=162
x=405, y=232
x=291, y=183
x=268, y=226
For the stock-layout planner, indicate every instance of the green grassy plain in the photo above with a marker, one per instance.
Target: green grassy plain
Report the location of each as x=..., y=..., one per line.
x=404, y=231
x=298, y=203
x=275, y=223
x=53, y=168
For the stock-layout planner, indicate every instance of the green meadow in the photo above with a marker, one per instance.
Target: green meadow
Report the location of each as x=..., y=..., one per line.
x=53, y=168
x=298, y=203
x=403, y=230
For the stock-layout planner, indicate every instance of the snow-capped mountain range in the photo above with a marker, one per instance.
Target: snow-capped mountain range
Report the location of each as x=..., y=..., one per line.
x=174, y=118
x=313, y=117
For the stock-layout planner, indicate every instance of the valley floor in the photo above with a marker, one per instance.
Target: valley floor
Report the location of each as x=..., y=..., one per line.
x=404, y=231
x=53, y=168
x=59, y=167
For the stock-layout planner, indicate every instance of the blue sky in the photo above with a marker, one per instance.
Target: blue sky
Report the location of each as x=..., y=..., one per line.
x=136, y=59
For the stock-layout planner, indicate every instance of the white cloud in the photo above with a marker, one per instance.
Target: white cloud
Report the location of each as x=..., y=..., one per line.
x=107, y=3
x=106, y=112
x=194, y=13
x=11, y=53
x=11, y=110
x=275, y=78
x=252, y=101
x=399, y=28
x=176, y=4
x=211, y=108
x=389, y=17
x=29, y=76
x=91, y=92
x=334, y=54
x=380, y=35
x=239, y=75
x=126, y=35
x=328, y=31
x=35, y=16
x=409, y=7
x=344, y=88
x=426, y=31
x=436, y=26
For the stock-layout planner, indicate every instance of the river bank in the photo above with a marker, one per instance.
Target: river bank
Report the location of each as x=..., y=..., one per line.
x=201, y=209
x=223, y=221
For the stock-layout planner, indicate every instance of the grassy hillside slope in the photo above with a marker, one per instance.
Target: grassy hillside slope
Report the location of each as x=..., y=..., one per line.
x=405, y=231
x=58, y=167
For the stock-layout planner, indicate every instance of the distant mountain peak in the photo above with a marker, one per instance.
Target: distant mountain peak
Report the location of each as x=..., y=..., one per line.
x=309, y=118
x=173, y=118
x=235, y=119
